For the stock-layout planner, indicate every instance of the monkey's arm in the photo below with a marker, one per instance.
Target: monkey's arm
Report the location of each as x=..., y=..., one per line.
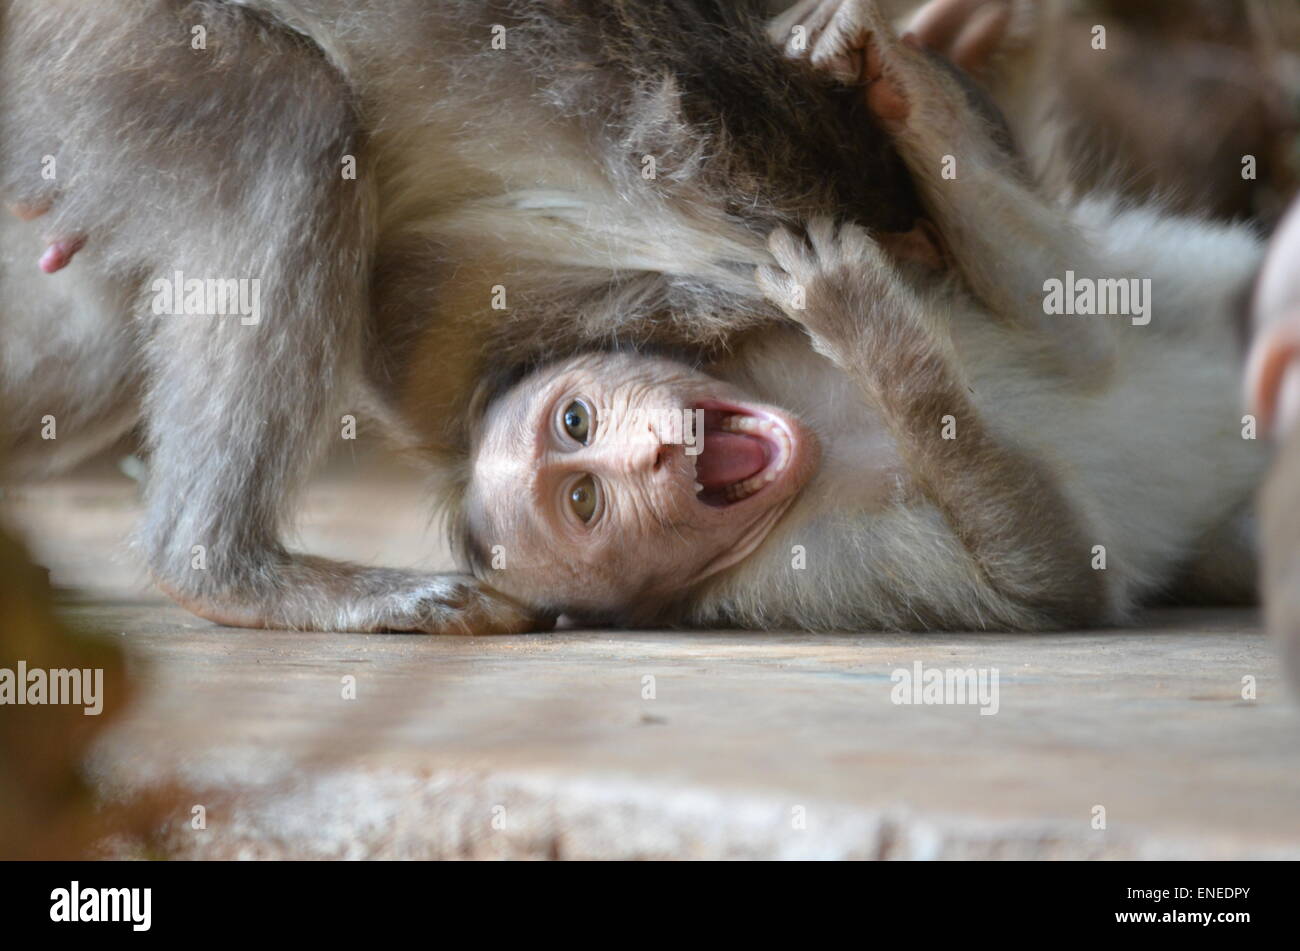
x=1003, y=506
x=1006, y=237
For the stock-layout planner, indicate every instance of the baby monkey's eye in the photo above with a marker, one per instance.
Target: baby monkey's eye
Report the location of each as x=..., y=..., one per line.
x=577, y=421
x=583, y=498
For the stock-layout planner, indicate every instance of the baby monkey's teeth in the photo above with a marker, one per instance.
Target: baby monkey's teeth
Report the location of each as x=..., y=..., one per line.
x=743, y=490
x=741, y=424
x=698, y=488
x=770, y=430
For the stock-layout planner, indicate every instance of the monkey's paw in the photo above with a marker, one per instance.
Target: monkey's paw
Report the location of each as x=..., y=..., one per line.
x=814, y=30
x=906, y=86
x=828, y=281
x=975, y=34
x=456, y=604
x=315, y=594
x=833, y=35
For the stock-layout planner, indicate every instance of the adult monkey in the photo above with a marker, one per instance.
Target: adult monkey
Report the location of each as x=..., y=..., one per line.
x=611, y=169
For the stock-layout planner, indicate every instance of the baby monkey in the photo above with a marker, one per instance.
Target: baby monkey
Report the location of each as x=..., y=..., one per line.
x=914, y=451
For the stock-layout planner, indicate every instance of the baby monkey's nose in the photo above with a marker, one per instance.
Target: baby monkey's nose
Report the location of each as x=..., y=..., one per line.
x=651, y=454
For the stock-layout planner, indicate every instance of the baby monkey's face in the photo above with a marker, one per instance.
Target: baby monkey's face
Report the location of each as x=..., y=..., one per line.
x=615, y=483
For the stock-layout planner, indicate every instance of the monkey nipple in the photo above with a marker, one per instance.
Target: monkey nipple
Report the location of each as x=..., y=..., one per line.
x=60, y=252
x=28, y=211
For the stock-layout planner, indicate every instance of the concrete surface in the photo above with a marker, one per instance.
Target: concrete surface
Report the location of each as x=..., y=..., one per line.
x=752, y=745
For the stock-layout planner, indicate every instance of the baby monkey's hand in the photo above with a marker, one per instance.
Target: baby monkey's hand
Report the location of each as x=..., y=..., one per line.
x=837, y=283
x=973, y=34
x=880, y=330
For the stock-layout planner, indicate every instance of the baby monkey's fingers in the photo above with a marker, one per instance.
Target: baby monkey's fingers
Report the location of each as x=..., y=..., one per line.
x=797, y=28
x=791, y=251
x=968, y=32
x=824, y=248
x=779, y=288
x=796, y=265
x=463, y=605
x=826, y=33
x=834, y=280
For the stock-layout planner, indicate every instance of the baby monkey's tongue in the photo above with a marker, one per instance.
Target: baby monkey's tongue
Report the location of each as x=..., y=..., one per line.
x=729, y=458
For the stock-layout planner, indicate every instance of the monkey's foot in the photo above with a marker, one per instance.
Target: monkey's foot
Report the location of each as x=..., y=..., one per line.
x=829, y=34
x=971, y=33
x=459, y=604
x=313, y=594
x=60, y=251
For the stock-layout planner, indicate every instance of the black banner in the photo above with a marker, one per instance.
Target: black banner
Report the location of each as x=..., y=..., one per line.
x=331, y=901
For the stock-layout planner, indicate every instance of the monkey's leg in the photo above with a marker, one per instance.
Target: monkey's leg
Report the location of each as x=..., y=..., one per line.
x=1004, y=506
x=199, y=167
x=1006, y=238
x=236, y=415
x=238, y=407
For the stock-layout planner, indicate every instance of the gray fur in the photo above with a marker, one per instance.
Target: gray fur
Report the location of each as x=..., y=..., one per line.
x=476, y=167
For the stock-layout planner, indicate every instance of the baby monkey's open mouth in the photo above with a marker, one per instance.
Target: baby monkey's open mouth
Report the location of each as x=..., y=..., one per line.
x=745, y=449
